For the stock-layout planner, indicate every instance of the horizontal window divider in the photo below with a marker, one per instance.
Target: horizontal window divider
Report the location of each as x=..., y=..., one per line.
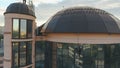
x=20, y=40
x=27, y=66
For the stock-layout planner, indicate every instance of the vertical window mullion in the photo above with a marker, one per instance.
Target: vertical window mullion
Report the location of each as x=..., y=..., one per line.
x=19, y=54
x=62, y=56
x=19, y=28
x=27, y=28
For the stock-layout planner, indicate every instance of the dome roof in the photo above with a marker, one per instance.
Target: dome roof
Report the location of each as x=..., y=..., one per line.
x=82, y=20
x=20, y=8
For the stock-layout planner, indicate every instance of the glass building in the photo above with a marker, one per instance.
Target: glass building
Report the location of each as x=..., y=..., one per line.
x=77, y=37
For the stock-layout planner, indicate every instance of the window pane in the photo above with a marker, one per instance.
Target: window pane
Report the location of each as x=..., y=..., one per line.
x=80, y=56
x=48, y=54
x=22, y=53
x=40, y=54
x=113, y=54
x=29, y=52
x=23, y=28
x=29, y=28
x=15, y=28
x=15, y=55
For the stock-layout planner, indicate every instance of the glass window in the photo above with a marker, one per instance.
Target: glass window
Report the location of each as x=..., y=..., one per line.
x=88, y=55
x=23, y=28
x=29, y=52
x=40, y=54
x=43, y=54
x=15, y=54
x=29, y=28
x=15, y=28
x=48, y=54
x=112, y=56
x=22, y=53
x=59, y=56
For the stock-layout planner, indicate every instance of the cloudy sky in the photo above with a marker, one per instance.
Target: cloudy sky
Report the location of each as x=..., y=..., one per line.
x=46, y=8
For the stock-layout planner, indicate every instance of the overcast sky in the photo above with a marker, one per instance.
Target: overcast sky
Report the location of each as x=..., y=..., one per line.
x=46, y=8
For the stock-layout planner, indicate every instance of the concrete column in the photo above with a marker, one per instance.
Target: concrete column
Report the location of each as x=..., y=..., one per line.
x=7, y=63
x=33, y=54
x=7, y=51
x=33, y=44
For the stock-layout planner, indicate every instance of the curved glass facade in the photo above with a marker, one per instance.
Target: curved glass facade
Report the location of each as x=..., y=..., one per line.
x=88, y=55
x=43, y=54
x=21, y=28
x=69, y=55
x=21, y=50
x=21, y=54
x=40, y=55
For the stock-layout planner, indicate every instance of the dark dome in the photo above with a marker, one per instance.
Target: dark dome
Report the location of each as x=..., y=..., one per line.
x=20, y=8
x=82, y=20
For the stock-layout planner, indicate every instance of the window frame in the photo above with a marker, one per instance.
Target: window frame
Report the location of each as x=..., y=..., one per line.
x=19, y=43
x=19, y=26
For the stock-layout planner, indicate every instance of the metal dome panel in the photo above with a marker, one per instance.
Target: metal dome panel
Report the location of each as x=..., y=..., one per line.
x=20, y=8
x=82, y=20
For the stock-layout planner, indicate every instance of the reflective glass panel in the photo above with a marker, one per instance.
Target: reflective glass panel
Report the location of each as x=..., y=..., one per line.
x=29, y=53
x=15, y=33
x=22, y=54
x=88, y=55
x=29, y=28
x=23, y=28
x=15, y=54
x=39, y=54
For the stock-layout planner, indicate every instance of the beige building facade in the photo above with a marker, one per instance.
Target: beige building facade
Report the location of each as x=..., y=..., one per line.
x=79, y=37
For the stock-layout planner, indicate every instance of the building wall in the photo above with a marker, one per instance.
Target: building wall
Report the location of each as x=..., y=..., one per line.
x=7, y=42
x=82, y=38
x=78, y=39
x=8, y=38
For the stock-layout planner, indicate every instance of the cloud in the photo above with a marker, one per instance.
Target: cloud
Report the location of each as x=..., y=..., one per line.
x=36, y=2
x=112, y=5
x=108, y=4
x=44, y=9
